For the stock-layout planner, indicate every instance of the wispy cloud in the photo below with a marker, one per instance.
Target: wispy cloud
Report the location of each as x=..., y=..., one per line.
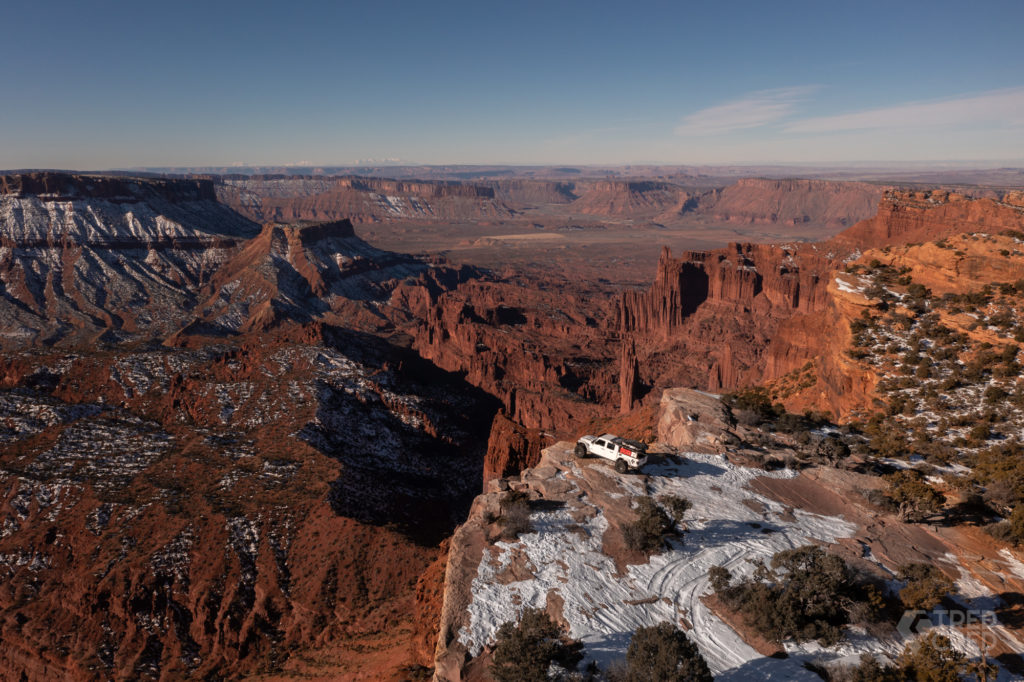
x=752, y=111
x=997, y=106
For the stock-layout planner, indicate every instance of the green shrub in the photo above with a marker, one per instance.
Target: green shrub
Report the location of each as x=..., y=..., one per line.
x=754, y=400
x=915, y=499
x=677, y=506
x=1011, y=529
x=978, y=434
x=524, y=652
x=1000, y=469
x=929, y=658
x=832, y=449
x=918, y=291
x=647, y=533
x=805, y=594
x=925, y=587
x=868, y=670
x=933, y=658
x=663, y=653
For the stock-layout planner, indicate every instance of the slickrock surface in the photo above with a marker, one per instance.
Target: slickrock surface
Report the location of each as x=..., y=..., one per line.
x=574, y=564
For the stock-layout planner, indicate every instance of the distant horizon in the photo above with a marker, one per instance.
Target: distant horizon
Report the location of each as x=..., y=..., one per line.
x=946, y=164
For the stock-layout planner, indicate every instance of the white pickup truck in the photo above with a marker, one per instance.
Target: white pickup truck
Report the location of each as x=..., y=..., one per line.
x=627, y=454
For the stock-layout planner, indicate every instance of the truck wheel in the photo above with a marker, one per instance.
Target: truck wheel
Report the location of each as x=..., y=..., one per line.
x=621, y=466
x=581, y=450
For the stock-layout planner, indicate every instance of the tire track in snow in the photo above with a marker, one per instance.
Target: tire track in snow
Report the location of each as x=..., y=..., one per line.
x=723, y=531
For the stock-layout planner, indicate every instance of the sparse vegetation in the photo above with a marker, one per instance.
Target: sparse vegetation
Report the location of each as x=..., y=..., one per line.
x=926, y=586
x=752, y=405
x=515, y=515
x=524, y=651
x=1011, y=529
x=663, y=653
x=951, y=395
x=647, y=533
x=804, y=594
x=913, y=498
x=930, y=658
x=677, y=507
x=832, y=449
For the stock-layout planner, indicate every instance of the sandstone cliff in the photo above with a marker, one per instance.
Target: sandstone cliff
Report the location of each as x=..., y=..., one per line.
x=230, y=468
x=82, y=256
x=916, y=216
x=827, y=204
x=304, y=272
x=525, y=192
x=709, y=318
x=747, y=313
x=362, y=200
x=638, y=198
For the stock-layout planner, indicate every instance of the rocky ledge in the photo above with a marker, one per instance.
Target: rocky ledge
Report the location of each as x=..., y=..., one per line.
x=572, y=560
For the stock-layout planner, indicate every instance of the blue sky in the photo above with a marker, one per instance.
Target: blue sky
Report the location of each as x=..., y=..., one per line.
x=119, y=84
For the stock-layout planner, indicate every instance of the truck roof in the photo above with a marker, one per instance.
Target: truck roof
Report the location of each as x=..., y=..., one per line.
x=618, y=440
x=636, y=445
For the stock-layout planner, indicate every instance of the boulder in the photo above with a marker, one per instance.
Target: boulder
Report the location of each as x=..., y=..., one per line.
x=694, y=420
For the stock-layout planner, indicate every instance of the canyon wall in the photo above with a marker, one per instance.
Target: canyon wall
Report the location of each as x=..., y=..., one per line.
x=522, y=192
x=627, y=198
x=747, y=314
x=709, y=316
x=916, y=216
x=218, y=454
x=539, y=351
x=361, y=200
x=829, y=204
x=84, y=256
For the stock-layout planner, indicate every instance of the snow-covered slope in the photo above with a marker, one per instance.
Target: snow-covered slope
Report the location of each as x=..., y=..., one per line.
x=299, y=272
x=570, y=566
x=82, y=256
x=91, y=258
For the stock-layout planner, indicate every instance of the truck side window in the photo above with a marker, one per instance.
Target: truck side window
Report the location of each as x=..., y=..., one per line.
x=600, y=444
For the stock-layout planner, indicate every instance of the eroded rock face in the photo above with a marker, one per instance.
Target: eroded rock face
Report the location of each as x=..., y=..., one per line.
x=904, y=217
x=629, y=381
x=256, y=349
x=759, y=278
x=693, y=420
x=363, y=200
x=542, y=352
x=749, y=313
x=804, y=204
x=245, y=468
x=788, y=202
x=308, y=272
x=632, y=198
x=122, y=259
x=709, y=319
x=191, y=512
x=82, y=256
x=510, y=448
